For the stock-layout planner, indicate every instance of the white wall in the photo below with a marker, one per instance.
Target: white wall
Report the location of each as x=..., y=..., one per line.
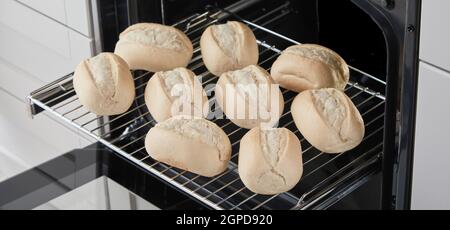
x=431, y=171
x=431, y=175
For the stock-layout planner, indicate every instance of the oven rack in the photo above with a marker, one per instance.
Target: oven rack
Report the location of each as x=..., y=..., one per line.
x=325, y=176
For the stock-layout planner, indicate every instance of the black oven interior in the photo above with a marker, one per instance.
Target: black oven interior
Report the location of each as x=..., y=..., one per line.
x=340, y=25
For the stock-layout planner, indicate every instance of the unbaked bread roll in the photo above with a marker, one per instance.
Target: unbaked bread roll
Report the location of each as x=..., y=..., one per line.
x=270, y=161
x=104, y=84
x=250, y=98
x=303, y=67
x=192, y=144
x=175, y=92
x=228, y=47
x=328, y=119
x=154, y=47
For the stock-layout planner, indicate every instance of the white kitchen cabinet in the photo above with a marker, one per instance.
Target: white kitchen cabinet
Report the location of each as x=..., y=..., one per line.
x=39, y=46
x=36, y=48
x=16, y=81
x=52, y=8
x=431, y=174
x=435, y=33
x=74, y=14
x=78, y=16
x=431, y=179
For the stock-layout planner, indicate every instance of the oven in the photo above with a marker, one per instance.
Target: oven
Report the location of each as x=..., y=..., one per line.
x=377, y=38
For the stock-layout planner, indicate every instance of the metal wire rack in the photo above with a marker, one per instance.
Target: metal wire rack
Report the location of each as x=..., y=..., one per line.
x=325, y=176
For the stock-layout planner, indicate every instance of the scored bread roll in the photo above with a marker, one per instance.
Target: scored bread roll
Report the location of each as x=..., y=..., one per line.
x=192, y=144
x=308, y=66
x=104, y=84
x=250, y=98
x=328, y=120
x=270, y=161
x=228, y=47
x=154, y=47
x=175, y=92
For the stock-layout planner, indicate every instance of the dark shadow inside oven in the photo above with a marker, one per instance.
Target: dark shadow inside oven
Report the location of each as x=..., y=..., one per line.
x=339, y=25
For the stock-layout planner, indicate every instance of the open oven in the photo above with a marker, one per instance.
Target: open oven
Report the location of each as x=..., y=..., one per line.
x=377, y=38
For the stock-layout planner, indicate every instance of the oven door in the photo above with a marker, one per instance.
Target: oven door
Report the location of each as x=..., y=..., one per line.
x=96, y=178
x=93, y=178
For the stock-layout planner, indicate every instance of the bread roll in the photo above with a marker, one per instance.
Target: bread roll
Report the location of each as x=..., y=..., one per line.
x=228, y=47
x=192, y=144
x=250, y=98
x=270, y=161
x=154, y=47
x=304, y=67
x=175, y=92
x=104, y=84
x=328, y=119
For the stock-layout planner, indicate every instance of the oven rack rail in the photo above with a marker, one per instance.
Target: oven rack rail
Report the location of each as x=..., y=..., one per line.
x=324, y=175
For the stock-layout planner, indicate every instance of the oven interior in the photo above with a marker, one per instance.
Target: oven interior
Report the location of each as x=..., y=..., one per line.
x=339, y=25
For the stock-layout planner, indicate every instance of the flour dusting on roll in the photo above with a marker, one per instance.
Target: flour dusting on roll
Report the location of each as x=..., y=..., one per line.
x=228, y=47
x=227, y=38
x=175, y=92
x=157, y=36
x=270, y=160
x=308, y=66
x=154, y=47
x=193, y=144
x=328, y=119
x=104, y=84
x=250, y=98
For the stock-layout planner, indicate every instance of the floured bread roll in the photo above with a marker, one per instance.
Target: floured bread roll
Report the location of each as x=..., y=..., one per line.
x=328, y=119
x=270, y=161
x=104, y=84
x=228, y=47
x=154, y=47
x=250, y=98
x=175, y=92
x=192, y=144
x=304, y=67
